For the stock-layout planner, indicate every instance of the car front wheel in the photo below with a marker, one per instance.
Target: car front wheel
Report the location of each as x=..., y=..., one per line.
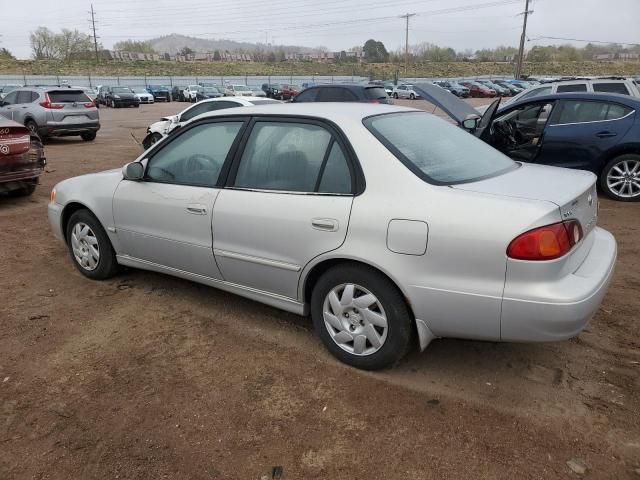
x=620, y=178
x=395, y=95
x=89, y=246
x=361, y=317
x=88, y=136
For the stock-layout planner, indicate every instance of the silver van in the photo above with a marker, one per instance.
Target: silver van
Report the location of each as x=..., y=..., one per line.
x=53, y=111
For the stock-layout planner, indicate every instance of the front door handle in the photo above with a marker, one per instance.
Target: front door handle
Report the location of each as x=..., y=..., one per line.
x=606, y=134
x=325, y=224
x=197, y=209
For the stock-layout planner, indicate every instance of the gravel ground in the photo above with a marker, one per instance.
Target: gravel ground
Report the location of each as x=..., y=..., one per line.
x=147, y=376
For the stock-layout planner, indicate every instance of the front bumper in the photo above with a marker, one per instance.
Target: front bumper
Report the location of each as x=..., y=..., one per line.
x=127, y=102
x=161, y=96
x=54, y=212
x=550, y=311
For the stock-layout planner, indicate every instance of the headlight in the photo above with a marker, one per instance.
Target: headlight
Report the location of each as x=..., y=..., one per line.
x=117, y=97
x=52, y=196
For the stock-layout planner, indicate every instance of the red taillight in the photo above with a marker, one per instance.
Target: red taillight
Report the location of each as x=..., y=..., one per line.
x=546, y=243
x=47, y=103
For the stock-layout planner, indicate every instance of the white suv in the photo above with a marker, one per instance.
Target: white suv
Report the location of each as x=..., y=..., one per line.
x=624, y=87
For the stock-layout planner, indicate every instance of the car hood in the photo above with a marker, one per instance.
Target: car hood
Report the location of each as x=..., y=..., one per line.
x=457, y=109
x=125, y=95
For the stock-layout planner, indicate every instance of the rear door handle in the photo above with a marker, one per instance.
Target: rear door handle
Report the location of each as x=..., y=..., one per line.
x=325, y=224
x=606, y=134
x=196, y=209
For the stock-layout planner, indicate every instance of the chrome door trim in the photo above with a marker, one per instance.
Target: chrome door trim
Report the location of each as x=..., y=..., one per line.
x=273, y=299
x=593, y=121
x=259, y=260
x=290, y=192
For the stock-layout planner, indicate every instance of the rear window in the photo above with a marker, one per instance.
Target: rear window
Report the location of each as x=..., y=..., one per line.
x=435, y=150
x=375, y=93
x=581, y=111
x=68, y=96
x=611, y=88
x=578, y=87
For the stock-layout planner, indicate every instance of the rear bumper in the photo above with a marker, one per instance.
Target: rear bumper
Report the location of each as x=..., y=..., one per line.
x=67, y=129
x=27, y=174
x=563, y=308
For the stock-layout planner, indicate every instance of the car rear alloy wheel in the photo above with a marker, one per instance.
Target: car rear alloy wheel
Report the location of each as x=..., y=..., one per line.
x=621, y=178
x=355, y=319
x=361, y=317
x=90, y=247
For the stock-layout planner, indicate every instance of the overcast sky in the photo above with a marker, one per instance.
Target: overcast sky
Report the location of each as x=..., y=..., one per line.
x=336, y=24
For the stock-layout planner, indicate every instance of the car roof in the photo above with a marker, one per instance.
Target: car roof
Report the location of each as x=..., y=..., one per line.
x=606, y=97
x=345, y=85
x=334, y=111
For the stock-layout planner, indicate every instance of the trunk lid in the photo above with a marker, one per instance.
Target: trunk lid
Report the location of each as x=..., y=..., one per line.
x=573, y=191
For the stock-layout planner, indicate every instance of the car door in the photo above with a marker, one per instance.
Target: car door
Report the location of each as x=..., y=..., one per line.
x=165, y=219
x=287, y=200
x=579, y=132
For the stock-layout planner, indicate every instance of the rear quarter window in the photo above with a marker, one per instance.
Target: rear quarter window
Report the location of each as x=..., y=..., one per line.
x=611, y=88
x=68, y=96
x=375, y=93
x=578, y=87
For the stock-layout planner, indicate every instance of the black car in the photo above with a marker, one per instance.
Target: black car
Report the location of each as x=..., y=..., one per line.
x=344, y=93
x=271, y=90
x=177, y=93
x=119, y=97
x=208, y=92
x=598, y=132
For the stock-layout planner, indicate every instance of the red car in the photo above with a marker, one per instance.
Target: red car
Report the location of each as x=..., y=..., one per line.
x=21, y=158
x=478, y=90
x=288, y=91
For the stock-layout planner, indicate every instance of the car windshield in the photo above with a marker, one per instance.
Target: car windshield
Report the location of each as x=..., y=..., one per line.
x=210, y=90
x=139, y=90
x=120, y=90
x=435, y=150
x=9, y=88
x=241, y=88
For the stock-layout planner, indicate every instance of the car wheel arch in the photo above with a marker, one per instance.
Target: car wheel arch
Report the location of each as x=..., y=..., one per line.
x=68, y=210
x=629, y=148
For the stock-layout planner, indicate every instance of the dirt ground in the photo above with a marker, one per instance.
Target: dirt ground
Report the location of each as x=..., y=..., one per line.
x=148, y=377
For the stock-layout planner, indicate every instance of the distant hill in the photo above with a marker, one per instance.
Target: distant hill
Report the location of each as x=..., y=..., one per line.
x=174, y=42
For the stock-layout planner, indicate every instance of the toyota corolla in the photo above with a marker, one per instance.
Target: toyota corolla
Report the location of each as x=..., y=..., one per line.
x=389, y=226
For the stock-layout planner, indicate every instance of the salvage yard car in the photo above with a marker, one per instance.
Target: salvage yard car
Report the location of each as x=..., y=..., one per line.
x=158, y=130
x=160, y=93
x=595, y=132
x=142, y=95
x=21, y=159
x=117, y=97
x=53, y=111
x=390, y=226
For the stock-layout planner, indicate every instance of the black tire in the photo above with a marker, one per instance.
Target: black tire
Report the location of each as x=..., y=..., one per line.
x=412, y=96
x=136, y=105
x=26, y=190
x=107, y=265
x=88, y=136
x=604, y=185
x=399, y=318
x=395, y=95
x=32, y=126
x=113, y=104
x=149, y=140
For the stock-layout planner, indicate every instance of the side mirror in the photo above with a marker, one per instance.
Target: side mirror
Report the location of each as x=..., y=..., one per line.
x=133, y=171
x=470, y=123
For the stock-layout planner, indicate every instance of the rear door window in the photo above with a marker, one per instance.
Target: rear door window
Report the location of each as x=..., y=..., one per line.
x=24, y=96
x=68, y=96
x=611, y=88
x=577, y=87
x=375, y=93
x=580, y=111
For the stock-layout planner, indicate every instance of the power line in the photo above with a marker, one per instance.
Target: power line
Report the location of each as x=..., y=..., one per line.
x=582, y=40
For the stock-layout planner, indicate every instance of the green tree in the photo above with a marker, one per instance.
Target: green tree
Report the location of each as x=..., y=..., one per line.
x=6, y=54
x=375, y=51
x=134, y=46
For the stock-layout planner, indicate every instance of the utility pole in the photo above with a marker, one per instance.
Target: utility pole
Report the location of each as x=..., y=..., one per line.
x=95, y=38
x=406, y=16
x=522, y=39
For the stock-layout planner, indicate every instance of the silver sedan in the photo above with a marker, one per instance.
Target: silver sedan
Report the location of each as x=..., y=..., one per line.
x=389, y=226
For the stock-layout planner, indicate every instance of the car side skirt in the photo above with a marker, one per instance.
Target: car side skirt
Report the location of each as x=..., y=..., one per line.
x=268, y=298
